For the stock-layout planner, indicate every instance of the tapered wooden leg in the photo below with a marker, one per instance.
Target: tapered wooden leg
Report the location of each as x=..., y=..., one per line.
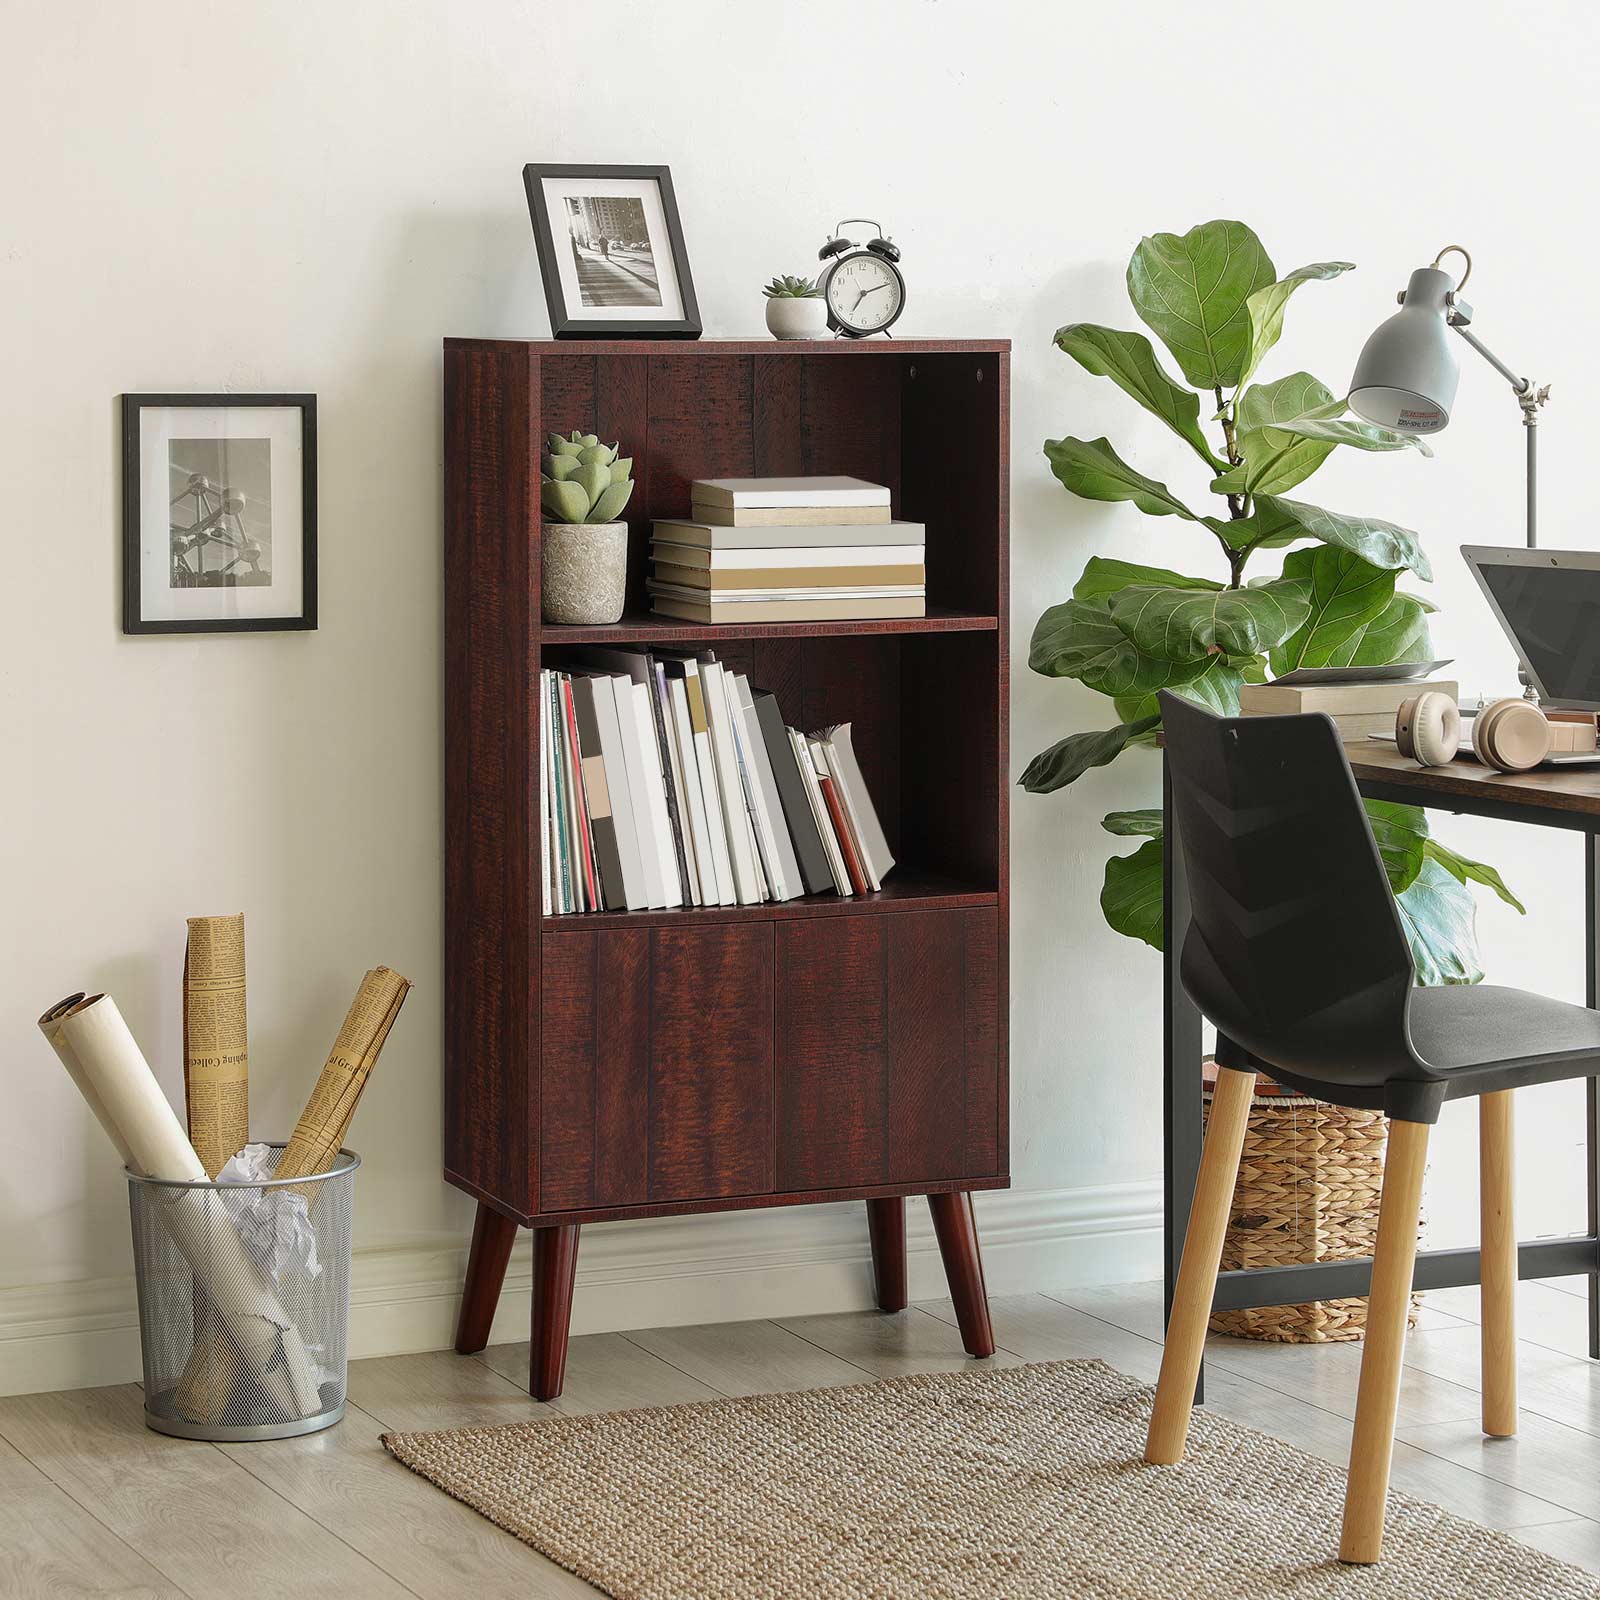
x=886, y=1225
x=1197, y=1275
x=492, y=1238
x=555, y=1269
x=957, y=1231
x=1388, y=1310
x=1498, y=1262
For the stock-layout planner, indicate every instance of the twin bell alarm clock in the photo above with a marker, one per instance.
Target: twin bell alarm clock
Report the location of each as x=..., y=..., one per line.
x=861, y=282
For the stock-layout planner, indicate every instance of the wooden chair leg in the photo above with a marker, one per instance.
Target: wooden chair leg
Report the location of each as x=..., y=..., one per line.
x=555, y=1270
x=1388, y=1310
x=886, y=1226
x=1498, y=1259
x=1197, y=1273
x=956, y=1229
x=492, y=1238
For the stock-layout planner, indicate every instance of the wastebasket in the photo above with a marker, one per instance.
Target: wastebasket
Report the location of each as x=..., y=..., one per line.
x=244, y=1301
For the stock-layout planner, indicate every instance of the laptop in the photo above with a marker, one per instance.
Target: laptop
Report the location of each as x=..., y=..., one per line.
x=1548, y=603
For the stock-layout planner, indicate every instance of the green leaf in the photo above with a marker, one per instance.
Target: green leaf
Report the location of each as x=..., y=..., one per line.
x=561, y=467
x=1068, y=759
x=1384, y=544
x=1335, y=429
x=1104, y=576
x=1133, y=823
x=612, y=499
x=594, y=478
x=1131, y=896
x=1091, y=469
x=1439, y=917
x=1216, y=688
x=1275, y=460
x=1129, y=361
x=1078, y=639
x=1265, y=308
x=1463, y=869
x=1398, y=633
x=563, y=500
x=1180, y=624
x=1344, y=596
x=1401, y=834
x=1191, y=292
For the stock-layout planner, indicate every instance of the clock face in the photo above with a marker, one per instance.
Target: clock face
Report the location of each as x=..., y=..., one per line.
x=864, y=293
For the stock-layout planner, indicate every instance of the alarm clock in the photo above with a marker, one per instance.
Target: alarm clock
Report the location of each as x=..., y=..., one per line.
x=861, y=284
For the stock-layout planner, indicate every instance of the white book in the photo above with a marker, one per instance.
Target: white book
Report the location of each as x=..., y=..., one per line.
x=777, y=848
x=545, y=897
x=809, y=491
x=736, y=818
x=694, y=689
x=655, y=793
x=858, y=555
x=857, y=801
x=819, y=810
x=634, y=753
x=624, y=811
x=721, y=597
x=692, y=895
x=693, y=795
x=774, y=536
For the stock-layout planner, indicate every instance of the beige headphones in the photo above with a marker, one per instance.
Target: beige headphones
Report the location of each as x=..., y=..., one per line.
x=1513, y=735
x=1427, y=727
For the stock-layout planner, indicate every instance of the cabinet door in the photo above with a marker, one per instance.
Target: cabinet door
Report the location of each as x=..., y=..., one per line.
x=710, y=1057
x=887, y=1049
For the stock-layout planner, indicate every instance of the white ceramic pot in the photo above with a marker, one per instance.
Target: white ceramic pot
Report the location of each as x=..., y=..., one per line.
x=797, y=319
x=585, y=573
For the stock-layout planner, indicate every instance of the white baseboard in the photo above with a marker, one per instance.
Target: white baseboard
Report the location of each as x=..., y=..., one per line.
x=781, y=1262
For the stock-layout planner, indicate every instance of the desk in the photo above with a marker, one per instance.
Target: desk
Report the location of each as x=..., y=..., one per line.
x=1550, y=799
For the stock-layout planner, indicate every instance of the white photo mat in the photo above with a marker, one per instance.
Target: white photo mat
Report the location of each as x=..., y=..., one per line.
x=647, y=191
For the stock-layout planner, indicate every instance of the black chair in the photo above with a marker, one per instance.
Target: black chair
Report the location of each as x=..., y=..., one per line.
x=1297, y=953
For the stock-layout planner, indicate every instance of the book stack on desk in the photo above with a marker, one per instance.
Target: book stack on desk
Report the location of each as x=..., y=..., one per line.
x=787, y=550
x=1359, y=709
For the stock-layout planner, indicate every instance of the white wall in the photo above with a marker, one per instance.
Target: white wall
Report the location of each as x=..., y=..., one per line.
x=308, y=197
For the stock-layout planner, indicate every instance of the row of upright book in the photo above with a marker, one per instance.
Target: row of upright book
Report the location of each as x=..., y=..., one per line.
x=667, y=780
x=810, y=549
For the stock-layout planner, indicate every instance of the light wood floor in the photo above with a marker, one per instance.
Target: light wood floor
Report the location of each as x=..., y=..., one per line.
x=91, y=1503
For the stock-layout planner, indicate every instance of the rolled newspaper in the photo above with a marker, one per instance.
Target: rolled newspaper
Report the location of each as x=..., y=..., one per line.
x=326, y=1119
x=95, y=1046
x=216, y=1048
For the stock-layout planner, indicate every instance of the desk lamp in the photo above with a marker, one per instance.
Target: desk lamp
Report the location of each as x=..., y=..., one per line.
x=1407, y=372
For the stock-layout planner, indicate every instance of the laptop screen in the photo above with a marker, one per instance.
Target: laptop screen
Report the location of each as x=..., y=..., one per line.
x=1553, y=616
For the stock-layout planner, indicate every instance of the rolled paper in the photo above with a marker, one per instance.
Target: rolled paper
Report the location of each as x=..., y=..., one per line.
x=126, y=1097
x=216, y=1049
x=50, y=1025
x=326, y=1119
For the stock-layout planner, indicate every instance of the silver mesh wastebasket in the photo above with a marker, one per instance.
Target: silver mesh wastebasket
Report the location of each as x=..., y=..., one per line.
x=244, y=1301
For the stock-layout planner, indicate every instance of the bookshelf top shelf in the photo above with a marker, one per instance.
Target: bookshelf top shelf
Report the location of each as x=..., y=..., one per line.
x=646, y=627
x=858, y=349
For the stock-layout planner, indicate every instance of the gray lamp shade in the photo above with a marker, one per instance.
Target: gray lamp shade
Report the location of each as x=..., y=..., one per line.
x=1407, y=373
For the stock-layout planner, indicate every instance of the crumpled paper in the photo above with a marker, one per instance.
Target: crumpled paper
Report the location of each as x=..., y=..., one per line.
x=274, y=1224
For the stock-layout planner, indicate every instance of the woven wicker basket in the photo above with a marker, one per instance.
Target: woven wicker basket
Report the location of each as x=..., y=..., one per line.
x=1309, y=1183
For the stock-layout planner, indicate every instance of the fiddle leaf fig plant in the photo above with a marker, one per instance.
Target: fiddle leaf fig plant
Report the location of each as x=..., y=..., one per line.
x=1214, y=299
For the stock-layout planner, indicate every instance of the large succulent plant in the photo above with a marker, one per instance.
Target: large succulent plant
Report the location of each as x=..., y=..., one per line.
x=584, y=480
x=1214, y=298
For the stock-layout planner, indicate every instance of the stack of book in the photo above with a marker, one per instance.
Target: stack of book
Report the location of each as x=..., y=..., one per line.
x=1360, y=710
x=788, y=550
x=666, y=779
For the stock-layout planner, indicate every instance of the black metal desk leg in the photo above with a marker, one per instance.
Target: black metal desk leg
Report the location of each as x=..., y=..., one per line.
x=1180, y=1056
x=1591, y=980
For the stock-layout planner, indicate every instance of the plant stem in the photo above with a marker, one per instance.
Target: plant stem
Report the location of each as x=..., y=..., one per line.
x=1238, y=510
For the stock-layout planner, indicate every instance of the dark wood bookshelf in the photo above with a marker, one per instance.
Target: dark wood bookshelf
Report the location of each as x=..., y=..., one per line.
x=631, y=1064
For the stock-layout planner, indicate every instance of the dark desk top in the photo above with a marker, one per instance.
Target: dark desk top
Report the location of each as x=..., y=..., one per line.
x=1561, y=798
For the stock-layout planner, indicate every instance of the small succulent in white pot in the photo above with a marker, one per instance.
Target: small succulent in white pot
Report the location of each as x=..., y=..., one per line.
x=795, y=309
x=583, y=489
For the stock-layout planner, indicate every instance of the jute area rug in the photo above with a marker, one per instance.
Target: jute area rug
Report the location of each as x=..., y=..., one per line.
x=1023, y=1482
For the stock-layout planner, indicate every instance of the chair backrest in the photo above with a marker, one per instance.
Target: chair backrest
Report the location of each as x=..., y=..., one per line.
x=1296, y=950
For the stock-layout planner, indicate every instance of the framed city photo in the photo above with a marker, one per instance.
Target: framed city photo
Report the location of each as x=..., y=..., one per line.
x=219, y=512
x=611, y=252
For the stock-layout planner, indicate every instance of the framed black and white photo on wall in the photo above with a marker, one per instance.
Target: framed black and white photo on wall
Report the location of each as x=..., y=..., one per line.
x=219, y=512
x=611, y=252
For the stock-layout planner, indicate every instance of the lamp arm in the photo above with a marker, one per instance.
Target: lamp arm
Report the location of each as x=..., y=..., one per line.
x=1530, y=396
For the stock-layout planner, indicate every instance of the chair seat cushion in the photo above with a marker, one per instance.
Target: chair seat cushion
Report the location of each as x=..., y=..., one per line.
x=1481, y=1025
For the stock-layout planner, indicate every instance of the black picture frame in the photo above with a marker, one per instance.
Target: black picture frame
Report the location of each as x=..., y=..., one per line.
x=133, y=620
x=571, y=323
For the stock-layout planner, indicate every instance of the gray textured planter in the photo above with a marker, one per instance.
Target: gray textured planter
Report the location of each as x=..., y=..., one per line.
x=585, y=573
